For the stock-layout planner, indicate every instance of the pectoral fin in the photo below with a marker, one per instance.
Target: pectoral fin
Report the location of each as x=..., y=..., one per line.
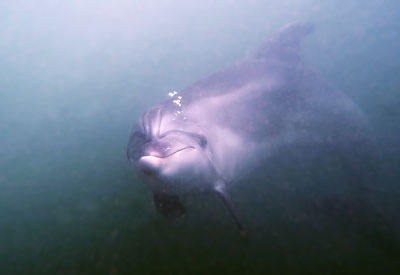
x=220, y=188
x=168, y=205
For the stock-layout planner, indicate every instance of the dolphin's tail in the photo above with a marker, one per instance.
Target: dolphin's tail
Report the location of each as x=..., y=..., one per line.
x=285, y=45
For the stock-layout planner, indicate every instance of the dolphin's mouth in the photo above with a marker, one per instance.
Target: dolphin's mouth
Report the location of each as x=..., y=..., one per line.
x=177, y=151
x=166, y=152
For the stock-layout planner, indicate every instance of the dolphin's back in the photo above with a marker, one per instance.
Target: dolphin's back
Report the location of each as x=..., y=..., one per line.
x=286, y=44
x=278, y=53
x=271, y=88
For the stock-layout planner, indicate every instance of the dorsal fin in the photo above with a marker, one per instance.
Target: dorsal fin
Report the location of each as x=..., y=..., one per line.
x=286, y=44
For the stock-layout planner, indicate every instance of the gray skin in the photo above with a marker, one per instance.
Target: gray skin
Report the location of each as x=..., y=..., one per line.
x=223, y=128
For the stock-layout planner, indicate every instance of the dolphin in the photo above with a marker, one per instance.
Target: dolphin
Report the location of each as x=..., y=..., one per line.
x=220, y=130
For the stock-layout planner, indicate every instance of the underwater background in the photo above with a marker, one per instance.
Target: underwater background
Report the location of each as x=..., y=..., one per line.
x=75, y=75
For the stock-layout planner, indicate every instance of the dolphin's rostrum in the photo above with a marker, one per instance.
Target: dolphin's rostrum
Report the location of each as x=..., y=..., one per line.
x=220, y=129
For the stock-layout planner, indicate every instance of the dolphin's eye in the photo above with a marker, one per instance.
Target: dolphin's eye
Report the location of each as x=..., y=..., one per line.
x=203, y=142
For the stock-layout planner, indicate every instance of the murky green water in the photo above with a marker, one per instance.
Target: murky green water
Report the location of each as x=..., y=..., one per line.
x=75, y=75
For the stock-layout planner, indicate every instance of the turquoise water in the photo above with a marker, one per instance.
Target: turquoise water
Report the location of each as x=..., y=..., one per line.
x=75, y=75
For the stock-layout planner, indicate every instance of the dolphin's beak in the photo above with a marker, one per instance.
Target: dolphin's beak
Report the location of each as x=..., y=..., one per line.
x=150, y=165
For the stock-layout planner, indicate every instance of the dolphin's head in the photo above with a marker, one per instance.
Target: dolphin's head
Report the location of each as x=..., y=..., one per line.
x=173, y=160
